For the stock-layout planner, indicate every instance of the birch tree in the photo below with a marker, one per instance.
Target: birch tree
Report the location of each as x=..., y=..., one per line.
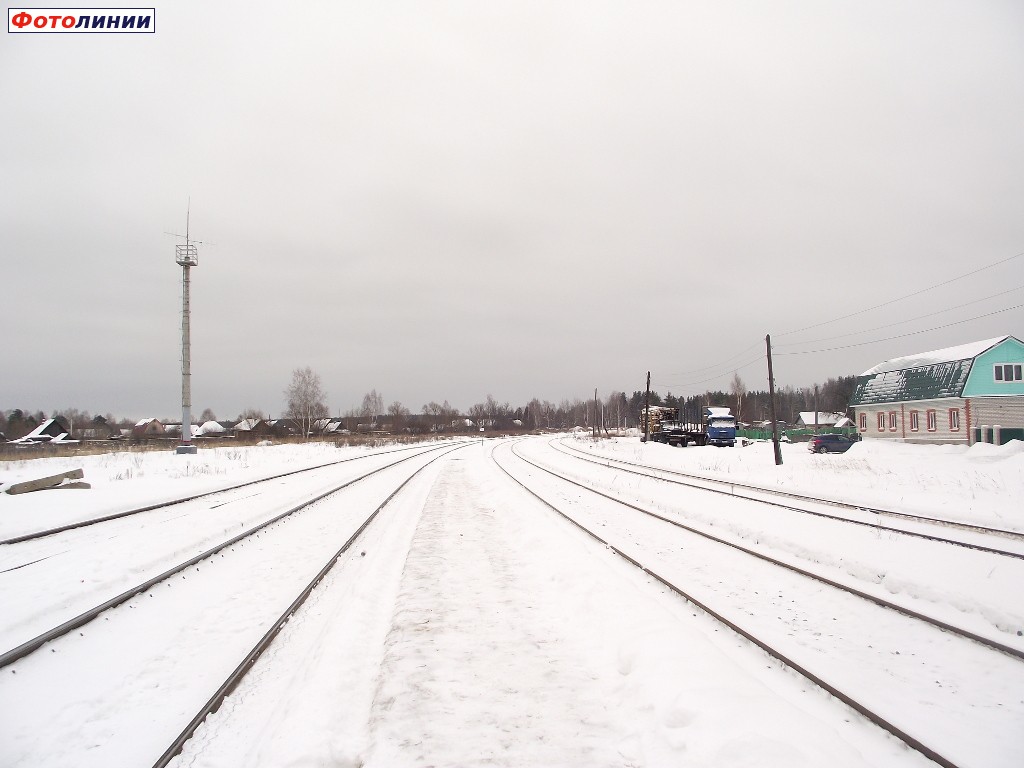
x=306, y=398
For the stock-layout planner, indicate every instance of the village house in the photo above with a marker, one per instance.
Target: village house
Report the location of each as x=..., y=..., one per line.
x=965, y=394
x=820, y=419
x=148, y=428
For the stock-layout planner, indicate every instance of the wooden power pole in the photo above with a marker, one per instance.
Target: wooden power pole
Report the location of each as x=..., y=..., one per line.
x=647, y=410
x=771, y=402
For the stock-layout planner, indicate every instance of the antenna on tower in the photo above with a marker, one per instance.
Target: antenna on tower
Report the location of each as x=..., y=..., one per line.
x=186, y=255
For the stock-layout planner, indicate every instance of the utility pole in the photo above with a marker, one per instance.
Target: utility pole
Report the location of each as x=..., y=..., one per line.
x=771, y=395
x=647, y=410
x=815, y=409
x=597, y=430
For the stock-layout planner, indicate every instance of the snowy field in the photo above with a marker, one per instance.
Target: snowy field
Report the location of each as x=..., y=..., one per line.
x=470, y=625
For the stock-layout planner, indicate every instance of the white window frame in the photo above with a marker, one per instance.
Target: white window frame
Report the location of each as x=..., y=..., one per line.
x=881, y=421
x=893, y=421
x=931, y=416
x=954, y=419
x=1007, y=373
x=863, y=422
x=915, y=421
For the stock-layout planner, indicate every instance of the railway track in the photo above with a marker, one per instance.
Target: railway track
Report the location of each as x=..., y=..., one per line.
x=29, y=646
x=95, y=567
x=45, y=532
x=937, y=647
x=236, y=676
x=756, y=493
x=349, y=528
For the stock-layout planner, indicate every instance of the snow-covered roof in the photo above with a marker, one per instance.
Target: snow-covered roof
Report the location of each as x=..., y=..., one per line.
x=807, y=417
x=247, y=424
x=210, y=428
x=947, y=355
x=40, y=431
x=143, y=422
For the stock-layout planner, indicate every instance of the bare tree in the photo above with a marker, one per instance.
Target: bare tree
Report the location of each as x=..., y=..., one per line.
x=306, y=398
x=251, y=413
x=399, y=415
x=373, y=406
x=207, y=416
x=738, y=389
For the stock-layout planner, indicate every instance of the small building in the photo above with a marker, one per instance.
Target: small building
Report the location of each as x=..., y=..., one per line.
x=253, y=429
x=50, y=430
x=821, y=420
x=964, y=394
x=148, y=428
x=210, y=429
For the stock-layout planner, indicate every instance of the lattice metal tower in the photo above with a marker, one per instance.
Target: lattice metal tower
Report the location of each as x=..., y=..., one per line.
x=187, y=255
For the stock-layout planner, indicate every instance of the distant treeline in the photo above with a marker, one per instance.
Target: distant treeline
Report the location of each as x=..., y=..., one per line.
x=614, y=410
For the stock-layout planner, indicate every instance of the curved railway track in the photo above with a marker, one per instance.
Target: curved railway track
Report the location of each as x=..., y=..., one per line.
x=1012, y=655
x=29, y=646
x=729, y=487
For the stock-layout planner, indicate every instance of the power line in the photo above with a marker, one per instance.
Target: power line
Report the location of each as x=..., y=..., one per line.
x=898, y=322
x=737, y=369
x=905, y=335
x=901, y=298
x=716, y=365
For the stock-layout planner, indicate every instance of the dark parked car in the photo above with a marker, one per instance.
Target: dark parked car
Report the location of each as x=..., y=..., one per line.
x=830, y=444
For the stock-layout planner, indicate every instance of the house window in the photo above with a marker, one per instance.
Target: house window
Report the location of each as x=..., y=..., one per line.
x=863, y=420
x=1007, y=372
x=933, y=422
x=892, y=421
x=915, y=423
x=954, y=419
x=881, y=421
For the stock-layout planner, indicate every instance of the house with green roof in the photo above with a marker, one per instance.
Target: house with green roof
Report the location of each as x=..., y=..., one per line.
x=965, y=394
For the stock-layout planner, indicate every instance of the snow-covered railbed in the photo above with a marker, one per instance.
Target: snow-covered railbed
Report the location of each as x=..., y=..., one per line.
x=479, y=629
x=983, y=484
x=956, y=696
x=53, y=579
x=131, y=479
x=969, y=534
x=130, y=680
x=485, y=630
x=975, y=590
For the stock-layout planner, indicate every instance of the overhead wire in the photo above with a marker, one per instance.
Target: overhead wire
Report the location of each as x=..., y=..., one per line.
x=722, y=369
x=904, y=297
x=904, y=335
x=898, y=322
x=736, y=369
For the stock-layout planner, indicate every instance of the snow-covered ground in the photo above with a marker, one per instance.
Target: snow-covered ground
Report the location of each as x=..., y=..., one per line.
x=473, y=626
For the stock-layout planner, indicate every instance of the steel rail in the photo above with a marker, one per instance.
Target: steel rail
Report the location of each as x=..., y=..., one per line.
x=882, y=602
x=181, y=500
x=23, y=650
x=247, y=663
x=872, y=716
x=811, y=499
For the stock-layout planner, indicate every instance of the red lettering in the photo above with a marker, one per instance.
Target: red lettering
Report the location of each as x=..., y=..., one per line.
x=21, y=19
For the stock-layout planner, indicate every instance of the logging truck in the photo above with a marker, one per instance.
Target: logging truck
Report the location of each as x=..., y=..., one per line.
x=713, y=426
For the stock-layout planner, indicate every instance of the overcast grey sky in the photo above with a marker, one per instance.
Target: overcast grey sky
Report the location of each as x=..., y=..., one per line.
x=450, y=199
